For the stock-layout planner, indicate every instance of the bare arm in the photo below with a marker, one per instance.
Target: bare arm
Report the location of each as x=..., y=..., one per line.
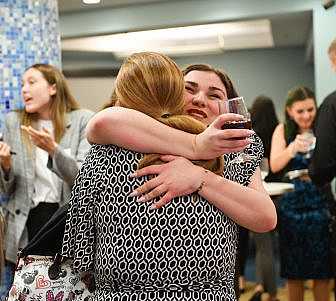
x=281, y=153
x=250, y=207
x=134, y=130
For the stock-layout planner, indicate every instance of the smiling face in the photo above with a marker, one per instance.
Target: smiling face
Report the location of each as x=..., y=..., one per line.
x=203, y=90
x=36, y=93
x=303, y=112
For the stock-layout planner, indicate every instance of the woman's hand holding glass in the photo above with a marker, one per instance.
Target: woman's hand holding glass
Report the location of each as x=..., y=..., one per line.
x=176, y=178
x=237, y=106
x=42, y=139
x=214, y=141
x=301, y=144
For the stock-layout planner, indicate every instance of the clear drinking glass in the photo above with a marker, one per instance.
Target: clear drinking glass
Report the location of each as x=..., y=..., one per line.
x=237, y=106
x=311, y=140
x=264, y=168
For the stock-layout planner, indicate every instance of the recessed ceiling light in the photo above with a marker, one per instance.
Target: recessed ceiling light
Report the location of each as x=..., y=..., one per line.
x=91, y=1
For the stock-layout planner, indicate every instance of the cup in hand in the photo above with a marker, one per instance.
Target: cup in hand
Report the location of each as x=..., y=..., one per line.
x=237, y=106
x=310, y=139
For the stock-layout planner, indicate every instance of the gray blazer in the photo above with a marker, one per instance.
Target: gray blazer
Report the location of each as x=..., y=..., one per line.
x=18, y=186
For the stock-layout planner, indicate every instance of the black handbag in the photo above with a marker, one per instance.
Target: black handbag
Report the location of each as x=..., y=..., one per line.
x=48, y=241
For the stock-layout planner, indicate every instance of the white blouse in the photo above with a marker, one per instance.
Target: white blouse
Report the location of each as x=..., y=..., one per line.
x=45, y=180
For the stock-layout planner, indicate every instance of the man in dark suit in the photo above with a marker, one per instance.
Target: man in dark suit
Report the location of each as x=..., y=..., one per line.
x=323, y=166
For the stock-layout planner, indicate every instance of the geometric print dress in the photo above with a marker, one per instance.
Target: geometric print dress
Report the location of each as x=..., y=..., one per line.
x=183, y=251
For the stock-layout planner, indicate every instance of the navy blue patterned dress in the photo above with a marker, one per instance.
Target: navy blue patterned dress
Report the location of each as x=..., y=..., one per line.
x=303, y=221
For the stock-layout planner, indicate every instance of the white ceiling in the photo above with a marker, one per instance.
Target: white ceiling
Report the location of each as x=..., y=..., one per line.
x=288, y=29
x=292, y=29
x=181, y=41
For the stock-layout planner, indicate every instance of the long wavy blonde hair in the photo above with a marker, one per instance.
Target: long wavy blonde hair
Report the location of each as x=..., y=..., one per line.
x=61, y=102
x=153, y=84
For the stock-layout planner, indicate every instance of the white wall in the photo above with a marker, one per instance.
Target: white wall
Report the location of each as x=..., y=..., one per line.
x=91, y=92
x=270, y=71
x=264, y=71
x=324, y=21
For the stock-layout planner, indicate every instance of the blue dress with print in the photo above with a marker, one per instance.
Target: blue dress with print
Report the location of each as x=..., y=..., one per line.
x=303, y=220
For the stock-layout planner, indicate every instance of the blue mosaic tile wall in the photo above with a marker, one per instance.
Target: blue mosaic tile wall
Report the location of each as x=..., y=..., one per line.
x=29, y=34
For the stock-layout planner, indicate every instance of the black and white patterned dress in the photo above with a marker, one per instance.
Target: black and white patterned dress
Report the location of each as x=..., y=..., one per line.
x=184, y=251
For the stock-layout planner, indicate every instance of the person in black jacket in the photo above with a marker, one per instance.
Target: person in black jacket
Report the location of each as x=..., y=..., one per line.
x=323, y=165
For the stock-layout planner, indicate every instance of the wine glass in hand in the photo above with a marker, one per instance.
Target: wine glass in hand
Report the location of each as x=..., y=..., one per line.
x=237, y=106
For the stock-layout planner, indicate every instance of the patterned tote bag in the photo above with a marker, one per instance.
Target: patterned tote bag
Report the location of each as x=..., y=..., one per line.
x=43, y=276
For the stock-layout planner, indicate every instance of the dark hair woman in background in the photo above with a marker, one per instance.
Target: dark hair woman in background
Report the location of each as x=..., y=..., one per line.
x=264, y=122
